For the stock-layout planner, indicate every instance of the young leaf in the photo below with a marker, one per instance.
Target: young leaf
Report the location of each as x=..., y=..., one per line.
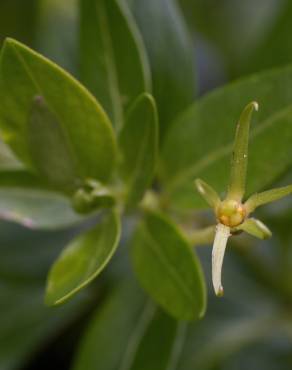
x=113, y=60
x=256, y=228
x=208, y=193
x=82, y=260
x=200, y=142
x=25, y=74
x=130, y=333
x=258, y=199
x=167, y=268
x=50, y=154
x=138, y=143
x=36, y=209
x=239, y=160
x=172, y=62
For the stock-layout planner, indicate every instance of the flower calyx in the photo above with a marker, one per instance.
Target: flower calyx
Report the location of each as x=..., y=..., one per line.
x=232, y=214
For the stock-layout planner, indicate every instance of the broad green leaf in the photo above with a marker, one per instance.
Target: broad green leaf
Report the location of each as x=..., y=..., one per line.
x=171, y=54
x=167, y=268
x=83, y=260
x=201, y=140
x=25, y=74
x=239, y=159
x=113, y=60
x=258, y=199
x=139, y=144
x=49, y=151
x=256, y=228
x=130, y=333
x=36, y=209
x=208, y=193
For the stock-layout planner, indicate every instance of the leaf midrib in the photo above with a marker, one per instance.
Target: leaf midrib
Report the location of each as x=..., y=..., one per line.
x=112, y=74
x=151, y=243
x=39, y=89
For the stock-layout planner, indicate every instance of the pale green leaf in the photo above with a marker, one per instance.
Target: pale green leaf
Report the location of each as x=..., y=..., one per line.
x=114, y=65
x=83, y=260
x=171, y=56
x=25, y=74
x=49, y=151
x=167, y=268
x=36, y=209
x=139, y=146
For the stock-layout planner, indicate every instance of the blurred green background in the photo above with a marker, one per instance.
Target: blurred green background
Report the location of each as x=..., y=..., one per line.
x=251, y=328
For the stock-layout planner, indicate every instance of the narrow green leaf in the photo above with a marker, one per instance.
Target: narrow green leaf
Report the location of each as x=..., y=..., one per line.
x=50, y=154
x=239, y=159
x=172, y=62
x=200, y=141
x=25, y=74
x=139, y=145
x=208, y=193
x=168, y=269
x=268, y=196
x=83, y=260
x=114, y=65
x=36, y=209
x=130, y=333
x=256, y=228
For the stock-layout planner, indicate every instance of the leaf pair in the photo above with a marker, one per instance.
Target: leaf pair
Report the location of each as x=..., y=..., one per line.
x=46, y=132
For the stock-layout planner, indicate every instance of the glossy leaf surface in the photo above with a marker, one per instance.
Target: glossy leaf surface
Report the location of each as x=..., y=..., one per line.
x=113, y=60
x=25, y=74
x=50, y=154
x=82, y=260
x=36, y=209
x=167, y=268
x=171, y=56
x=139, y=145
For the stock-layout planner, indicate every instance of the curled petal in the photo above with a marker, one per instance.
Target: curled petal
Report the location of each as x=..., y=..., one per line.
x=219, y=246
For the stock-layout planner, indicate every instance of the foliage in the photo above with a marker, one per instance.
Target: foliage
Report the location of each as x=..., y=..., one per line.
x=109, y=158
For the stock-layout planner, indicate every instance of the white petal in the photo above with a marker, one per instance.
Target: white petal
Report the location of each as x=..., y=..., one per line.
x=221, y=237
